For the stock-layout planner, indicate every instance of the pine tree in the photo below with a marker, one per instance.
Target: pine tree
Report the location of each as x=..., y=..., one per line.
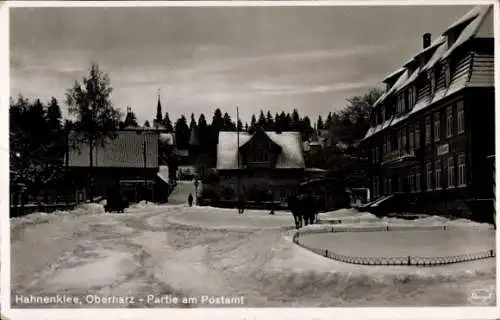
x=269, y=122
x=146, y=124
x=192, y=124
x=130, y=119
x=262, y=120
x=319, y=123
x=253, y=124
x=181, y=132
x=295, y=126
x=167, y=123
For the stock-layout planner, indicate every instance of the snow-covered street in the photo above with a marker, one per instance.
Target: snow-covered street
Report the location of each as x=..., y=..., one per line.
x=174, y=250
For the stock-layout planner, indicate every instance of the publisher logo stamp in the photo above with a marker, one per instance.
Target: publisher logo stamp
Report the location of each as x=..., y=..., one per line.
x=482, y=296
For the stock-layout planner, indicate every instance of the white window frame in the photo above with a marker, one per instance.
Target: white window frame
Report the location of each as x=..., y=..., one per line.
x=437, y=127
x=428, y=130
x=449, y=121
x=432, y=80
x=438, y=175
x=417, y=179
x=462, y=170
x=404, y=142
x=460, y=118
x=451, y=173
x=428, y=181
x=411, y=136
x=447, y=74
x=417, y=136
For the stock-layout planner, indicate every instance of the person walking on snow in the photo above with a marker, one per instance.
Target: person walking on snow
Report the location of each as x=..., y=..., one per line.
x=190, y=200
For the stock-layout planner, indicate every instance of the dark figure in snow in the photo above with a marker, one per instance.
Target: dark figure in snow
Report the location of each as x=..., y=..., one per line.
x=307, y=207
x=294, y=206
x=271, y=196
x=241, y=204
x=190, y=200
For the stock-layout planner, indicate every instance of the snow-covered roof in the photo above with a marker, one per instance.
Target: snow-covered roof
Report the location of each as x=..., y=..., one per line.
x=473, y=13
x=469, y=32
x=125, y=151
x=393, y=74
x=479, y=23
x=290, y=157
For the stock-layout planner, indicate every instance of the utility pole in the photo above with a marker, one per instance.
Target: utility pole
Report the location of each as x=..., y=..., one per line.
x=238, y=156
x=66, y=165
x=145, y=167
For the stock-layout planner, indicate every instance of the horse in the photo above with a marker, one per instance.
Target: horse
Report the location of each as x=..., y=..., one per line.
x=295, y=207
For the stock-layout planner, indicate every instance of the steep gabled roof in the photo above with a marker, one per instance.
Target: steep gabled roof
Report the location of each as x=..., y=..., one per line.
x=290, y=157
x=470, y=31
x=125, y=151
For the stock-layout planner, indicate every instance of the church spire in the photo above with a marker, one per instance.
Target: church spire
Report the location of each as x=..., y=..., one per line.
x=159, y=117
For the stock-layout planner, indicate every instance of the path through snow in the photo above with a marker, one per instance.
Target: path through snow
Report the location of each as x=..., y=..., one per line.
x=182, y=251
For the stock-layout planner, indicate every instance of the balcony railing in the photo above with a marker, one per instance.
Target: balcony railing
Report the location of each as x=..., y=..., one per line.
x=398, y=156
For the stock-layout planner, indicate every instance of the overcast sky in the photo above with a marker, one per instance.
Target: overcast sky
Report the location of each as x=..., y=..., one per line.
x=274, y=58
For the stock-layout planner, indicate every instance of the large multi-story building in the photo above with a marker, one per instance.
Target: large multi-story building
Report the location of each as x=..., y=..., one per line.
x=431, y=135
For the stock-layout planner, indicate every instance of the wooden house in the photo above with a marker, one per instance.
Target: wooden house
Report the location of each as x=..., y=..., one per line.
x=265, y=166
x=129, y=162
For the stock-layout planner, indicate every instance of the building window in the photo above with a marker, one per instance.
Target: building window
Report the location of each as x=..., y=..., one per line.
x=411, y=181
x=447, y=74
x=404, y=142
x=412, y=138
x=389, y=186
x=432, y=79
x=462, y=181
x=417, y=136
x=385, y=145
x=417, y=179
x=451, y=172
x=400, y=141
x=437, y=127
x=460, y=118
x=400, y=184
x=427, y=130
x=374, y=156
x=376, y=186
x=401, y=103
x=385, y=186
x=411, y=97
x=428, y=181
x=449, y=121
x=438, y=174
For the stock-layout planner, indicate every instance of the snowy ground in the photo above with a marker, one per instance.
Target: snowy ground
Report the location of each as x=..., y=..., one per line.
x=175, y=250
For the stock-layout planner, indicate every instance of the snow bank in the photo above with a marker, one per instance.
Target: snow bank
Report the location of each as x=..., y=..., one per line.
x=89, y=208
x=143, y=205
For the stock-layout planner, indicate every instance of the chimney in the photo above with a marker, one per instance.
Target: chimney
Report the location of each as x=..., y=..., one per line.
x=426, y=40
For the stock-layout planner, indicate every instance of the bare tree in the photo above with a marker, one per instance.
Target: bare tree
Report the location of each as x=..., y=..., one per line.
x=96, y=118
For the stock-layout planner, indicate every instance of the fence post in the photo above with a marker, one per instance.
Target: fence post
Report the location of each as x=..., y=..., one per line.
x=326, y=252
x=409, y=260
x=387, y=227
